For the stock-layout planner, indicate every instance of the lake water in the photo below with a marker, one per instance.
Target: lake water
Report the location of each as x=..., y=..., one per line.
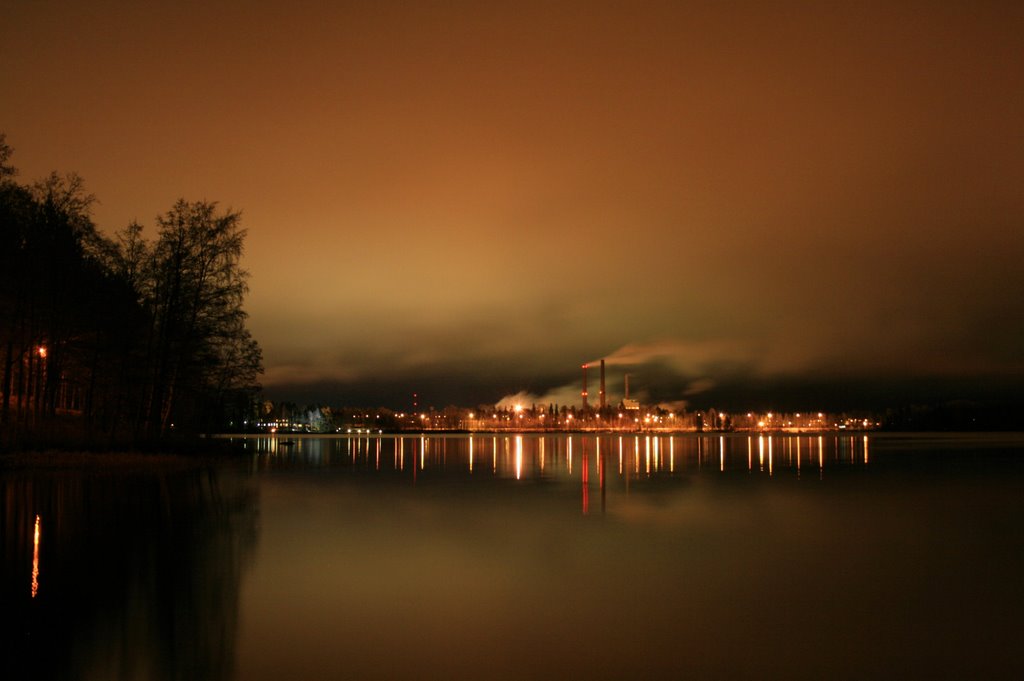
x=516, y=557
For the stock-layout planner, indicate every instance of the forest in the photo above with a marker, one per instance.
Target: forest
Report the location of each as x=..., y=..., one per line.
x=118, y=340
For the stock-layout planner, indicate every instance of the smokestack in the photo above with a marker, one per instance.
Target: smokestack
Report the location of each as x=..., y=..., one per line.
x=602, y=384
x=584, y=386
x=627, y=388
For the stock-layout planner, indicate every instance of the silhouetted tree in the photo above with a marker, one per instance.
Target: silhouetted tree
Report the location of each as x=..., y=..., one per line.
x=15, y=216
x=200, y=347
x=127, y=335
x=51, y=290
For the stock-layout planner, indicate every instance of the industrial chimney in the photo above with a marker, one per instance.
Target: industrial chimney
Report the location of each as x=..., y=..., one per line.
x=584, y=387
x=602, y=386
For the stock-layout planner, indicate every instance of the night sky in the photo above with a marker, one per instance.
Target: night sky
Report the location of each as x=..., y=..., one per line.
x=743, y=205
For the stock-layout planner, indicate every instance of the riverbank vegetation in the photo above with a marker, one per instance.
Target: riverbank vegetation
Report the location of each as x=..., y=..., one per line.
x=118, y=340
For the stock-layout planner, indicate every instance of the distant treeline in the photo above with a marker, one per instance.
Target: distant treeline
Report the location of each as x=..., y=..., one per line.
x=959, y=415
x=118, y=339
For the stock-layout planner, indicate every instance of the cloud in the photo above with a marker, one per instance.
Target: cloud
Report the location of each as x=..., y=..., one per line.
x=299, y=373
x=568, y=394
x=699, y=386
x=685, y=356
x=521, y=398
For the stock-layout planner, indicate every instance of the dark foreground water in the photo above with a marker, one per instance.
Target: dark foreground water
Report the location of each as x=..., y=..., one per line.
x=525, y=557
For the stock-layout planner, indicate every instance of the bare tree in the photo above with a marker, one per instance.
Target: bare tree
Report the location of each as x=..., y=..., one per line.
x=127, y=335
x=199, y=341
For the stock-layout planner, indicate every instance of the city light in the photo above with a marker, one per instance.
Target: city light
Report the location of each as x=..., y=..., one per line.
x=522, y=417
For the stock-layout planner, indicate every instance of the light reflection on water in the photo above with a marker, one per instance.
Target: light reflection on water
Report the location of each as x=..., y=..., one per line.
x=556, y=456
x=526, y=556
x=122, y=574
x=731, y=556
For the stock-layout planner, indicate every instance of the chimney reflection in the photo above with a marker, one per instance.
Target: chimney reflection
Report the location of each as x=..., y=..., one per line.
x=602, y=463
x=586, y=479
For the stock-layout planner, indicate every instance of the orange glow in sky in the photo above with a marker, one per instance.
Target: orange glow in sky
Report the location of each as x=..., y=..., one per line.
x=486, y=194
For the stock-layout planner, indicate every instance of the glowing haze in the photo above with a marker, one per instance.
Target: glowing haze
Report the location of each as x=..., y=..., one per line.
x=734, y=202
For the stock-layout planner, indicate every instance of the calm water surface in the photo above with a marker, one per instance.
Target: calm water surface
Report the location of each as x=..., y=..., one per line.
x=512, y=557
